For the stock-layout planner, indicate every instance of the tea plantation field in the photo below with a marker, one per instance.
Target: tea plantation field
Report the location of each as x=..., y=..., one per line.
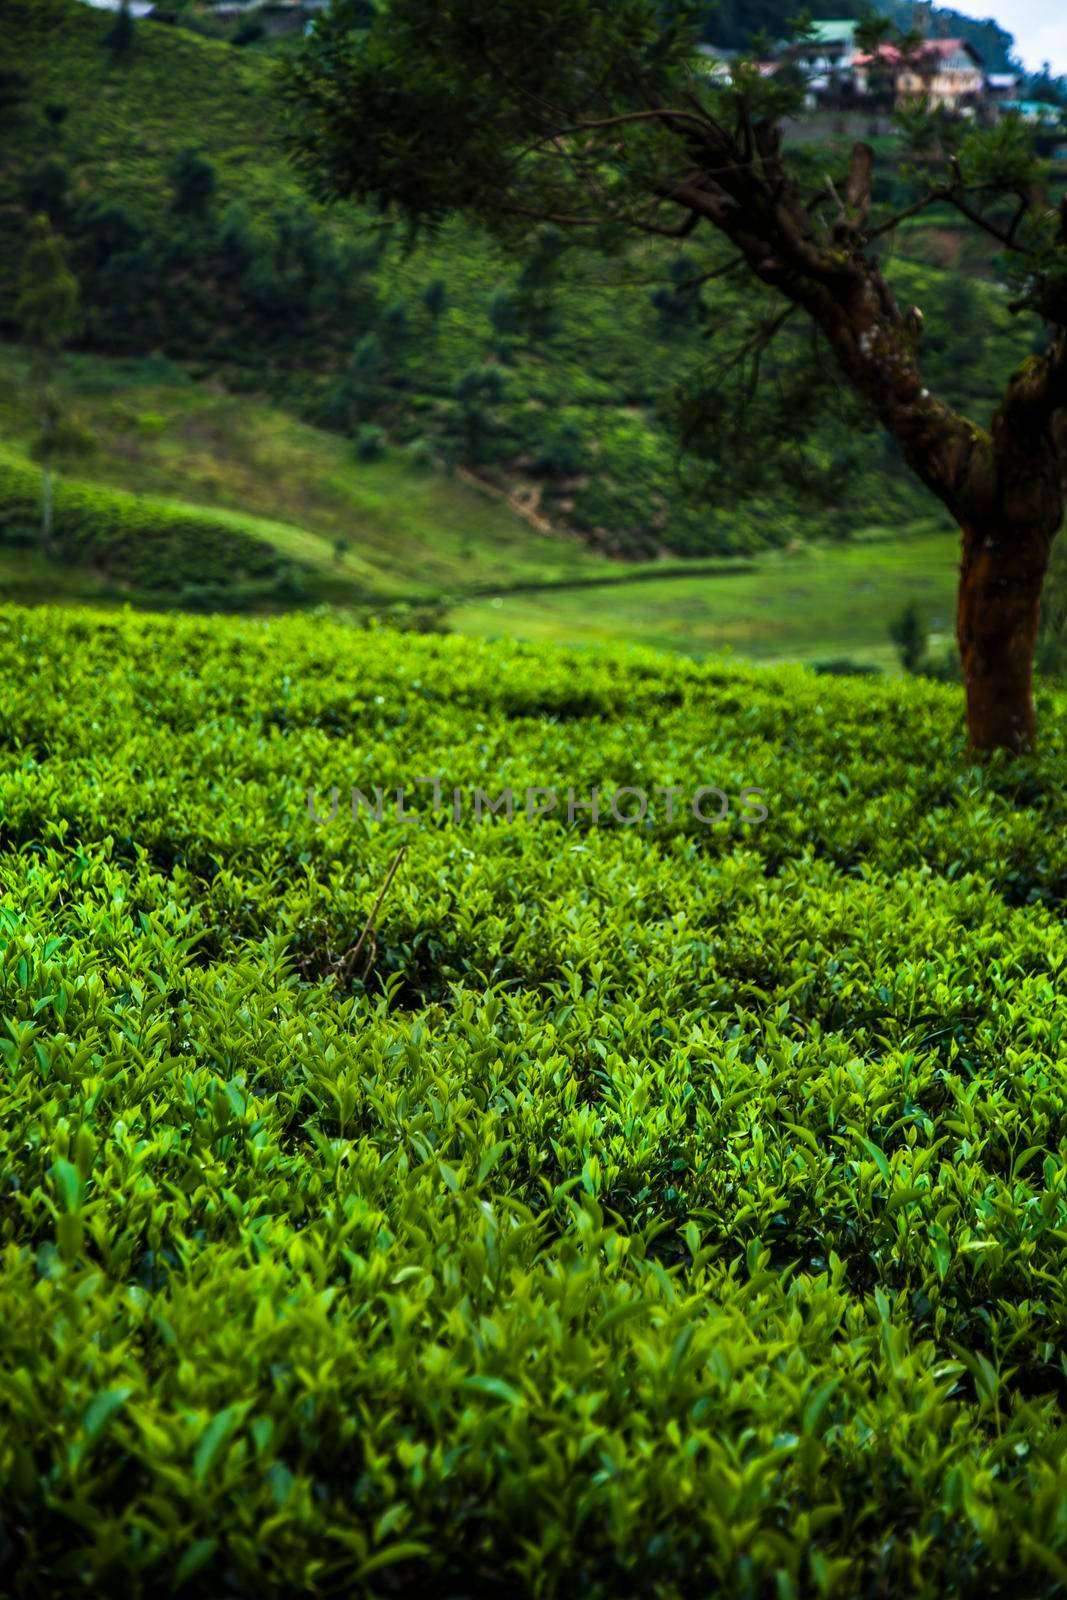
x=673, y=1209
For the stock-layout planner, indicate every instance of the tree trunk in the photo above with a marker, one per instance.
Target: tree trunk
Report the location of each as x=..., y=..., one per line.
x=1001, y=574
x=46, y=511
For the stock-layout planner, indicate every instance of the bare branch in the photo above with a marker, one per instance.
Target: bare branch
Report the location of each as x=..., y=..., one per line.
x=348, y=961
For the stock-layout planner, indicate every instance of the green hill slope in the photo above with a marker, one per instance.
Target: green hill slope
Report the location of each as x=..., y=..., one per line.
x=214, y=468
x=556, y=375
x=208, y=500
x=670, y=1208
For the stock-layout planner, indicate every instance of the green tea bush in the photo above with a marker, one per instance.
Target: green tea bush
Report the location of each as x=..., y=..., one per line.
x=153, y=547
x=661, y=1210
x=248, y=32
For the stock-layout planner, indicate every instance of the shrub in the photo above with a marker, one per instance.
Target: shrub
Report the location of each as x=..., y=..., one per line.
x=504, y=312
x=665, y=1209
x=248, y=32
x=435, y=297
x=369, y=443
x=193, y=182
x=908, y=633
x=844, y=667
x=422, y=455
x=119, y=38
x=395, y=320
x=148, y=544
x=367, y=355
x=19, y=535
x=424, y=616
x=562, y=454
x=45, y=188
x=102, y=230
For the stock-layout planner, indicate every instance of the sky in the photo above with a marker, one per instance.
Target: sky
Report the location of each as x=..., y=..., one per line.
x=1039, y=26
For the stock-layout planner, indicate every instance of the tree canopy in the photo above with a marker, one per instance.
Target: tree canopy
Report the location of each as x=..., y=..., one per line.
x=604, y=121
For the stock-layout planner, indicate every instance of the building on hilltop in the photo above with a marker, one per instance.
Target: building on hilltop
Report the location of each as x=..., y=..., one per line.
x=826, y=60
x=948, y=73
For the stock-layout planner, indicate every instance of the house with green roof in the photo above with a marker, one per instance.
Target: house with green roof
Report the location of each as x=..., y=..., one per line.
x=833, y=33
x=825, y=57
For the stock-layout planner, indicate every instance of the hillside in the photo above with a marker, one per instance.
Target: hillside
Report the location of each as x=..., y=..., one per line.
x=356, y=532
x=664, y=1209
x=193, y=497
x=559, y=376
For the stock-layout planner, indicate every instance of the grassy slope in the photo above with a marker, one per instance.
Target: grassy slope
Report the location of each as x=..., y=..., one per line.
x=813, y=604
x=411, y=531
x=420, y=533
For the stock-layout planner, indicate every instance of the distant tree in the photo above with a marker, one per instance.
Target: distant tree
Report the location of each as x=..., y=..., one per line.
x=120, y=36
x=56, y=113
x=116, y=257
x=504, y=312
x=356, y=14
x=355, y=398
x=680, y=304
x=14, y=92
x=881, y=82
x=239, y=237
x=478, y=390
x=192, y=180
x=105, y=229
x=535, y=290
x=956, y=340
x=961, y=309
x=367, y=356
x=370, y=443
x=1047, y=86
x=561, y=454
x=908, y=633
x=435, y=297
x=248, y=32
x=48, y=312
x=395, y=321
x=602, y=122
x=45, y=187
